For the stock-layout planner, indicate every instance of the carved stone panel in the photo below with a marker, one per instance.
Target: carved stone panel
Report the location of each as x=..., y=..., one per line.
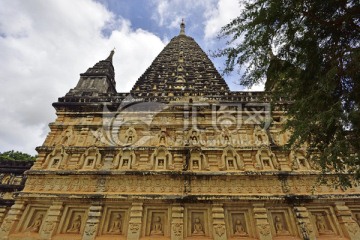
x=240, y=223
x=114, y=221
x=73, y=220
x=156, y=221
x=197, y=223
x=282, y=223
x=32, y=219
x=324, y=222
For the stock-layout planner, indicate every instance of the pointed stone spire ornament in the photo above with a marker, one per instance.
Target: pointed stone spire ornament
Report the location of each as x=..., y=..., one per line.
x=110, y=57
x=182, y=27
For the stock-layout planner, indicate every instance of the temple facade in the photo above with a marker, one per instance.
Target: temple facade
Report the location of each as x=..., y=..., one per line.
x=180, y=156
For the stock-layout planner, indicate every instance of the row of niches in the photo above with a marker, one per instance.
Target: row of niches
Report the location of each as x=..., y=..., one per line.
x=188, y=221
x=11, y=179
x=162, y=158
x=135, y=137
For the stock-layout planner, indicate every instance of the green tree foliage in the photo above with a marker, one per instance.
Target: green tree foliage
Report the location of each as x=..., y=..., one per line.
x=308, y=51
x=16, y=155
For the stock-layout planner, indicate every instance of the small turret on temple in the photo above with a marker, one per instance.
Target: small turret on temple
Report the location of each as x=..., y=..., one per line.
x=98, y=79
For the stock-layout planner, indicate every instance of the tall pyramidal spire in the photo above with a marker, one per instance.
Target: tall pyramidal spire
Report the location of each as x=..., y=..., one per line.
x=181, y=69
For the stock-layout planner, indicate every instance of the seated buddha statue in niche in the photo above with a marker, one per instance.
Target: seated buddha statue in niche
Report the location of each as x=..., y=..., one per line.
x=116, y=225
x=75, y=226
x=239, y=229
x=157, y=227
x=279, y=226
x=321, y=224
x=35, y=226
x=198, y=227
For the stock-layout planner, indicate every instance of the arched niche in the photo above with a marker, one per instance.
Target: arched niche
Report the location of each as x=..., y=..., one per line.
x=90, y=159
x=198, y=160
x=56, y=159
x=161, y=159
x=298, y=160
x=130, y=136
x=260, y=136
x=125, y=159
x=231, y=160
x=266, y=160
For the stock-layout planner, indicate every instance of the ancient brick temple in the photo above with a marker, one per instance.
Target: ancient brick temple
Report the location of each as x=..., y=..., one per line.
x=178, y=157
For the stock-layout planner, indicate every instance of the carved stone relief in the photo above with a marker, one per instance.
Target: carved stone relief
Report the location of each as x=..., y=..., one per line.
x=197, y=223
x=75, y=224
x=163, y=138
x=197, y=227
x=36, y=223
x=225, y=138
x=116, y=224
x=280, y=224
x=131, y=137
x=32, y=219
x=156, y=221
x=194, y=138
x=323, y=223
x=114, y=221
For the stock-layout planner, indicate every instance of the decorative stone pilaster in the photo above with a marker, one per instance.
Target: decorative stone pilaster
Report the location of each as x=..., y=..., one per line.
x=261, y=222
x=347, y=223
x=134, y=229
x=218, y=216
x=12, y=219
x=304, y=223
x=177, y=223
x=92, y=223
x=49, y=226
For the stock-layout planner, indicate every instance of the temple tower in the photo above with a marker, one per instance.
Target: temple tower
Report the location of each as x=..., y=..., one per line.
x=178, y=157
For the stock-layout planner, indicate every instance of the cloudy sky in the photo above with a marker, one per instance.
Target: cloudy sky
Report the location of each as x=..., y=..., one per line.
x=46, y=44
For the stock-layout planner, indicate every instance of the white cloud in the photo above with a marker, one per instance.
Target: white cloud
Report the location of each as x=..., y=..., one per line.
x=170, y=12
x=45, y=45
x=222, y=14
